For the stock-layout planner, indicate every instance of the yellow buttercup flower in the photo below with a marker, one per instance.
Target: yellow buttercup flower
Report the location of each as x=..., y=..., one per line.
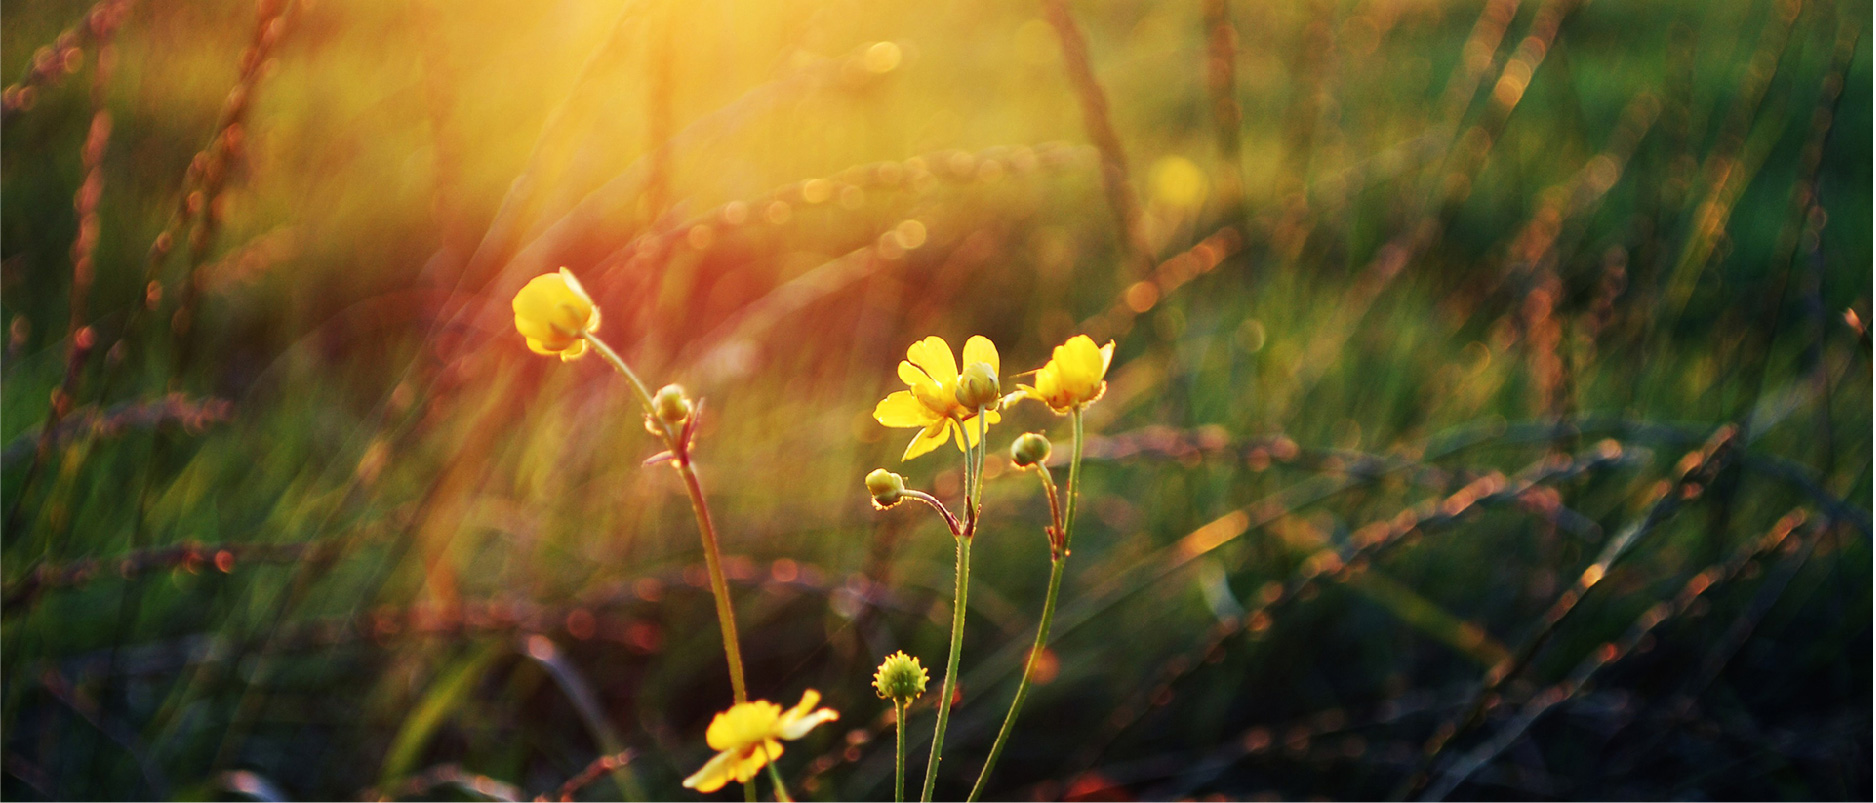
x=1074, y=376
x=748, y=737
x=554, y=313
x=931, y=402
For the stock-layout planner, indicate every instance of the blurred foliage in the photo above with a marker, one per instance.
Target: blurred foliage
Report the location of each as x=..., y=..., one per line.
x=313, y=523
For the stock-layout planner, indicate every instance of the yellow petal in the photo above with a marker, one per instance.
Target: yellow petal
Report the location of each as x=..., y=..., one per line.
x=742, y=725
x=714, y=775
x=797, y=721
x=574, y=351
x=733, y=765
x=902, y=409
x=928, y=439
x=538, y=347
x=1107, y=357
x=934, y=355
x=980, y=349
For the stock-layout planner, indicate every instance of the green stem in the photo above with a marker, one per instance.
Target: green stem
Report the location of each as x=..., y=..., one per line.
x=781, y=789
x=1029, y=668
x=958, y=606
x=1074, y=482
x=713, y=557
x=1059, y=559
x=898, y=775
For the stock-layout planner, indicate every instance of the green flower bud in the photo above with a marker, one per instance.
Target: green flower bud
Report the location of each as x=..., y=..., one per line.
x=1029, y=449
x=900, y=678
x=977, y=386
x=671, y=405
x=887, y=488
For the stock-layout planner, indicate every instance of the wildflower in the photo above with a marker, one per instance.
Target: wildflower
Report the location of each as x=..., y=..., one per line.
x=1074, y=375
x=1029, y=449
x=933, y=401
x=554, y=313
x=887, y=488
x=900, y=678
x=747, y=737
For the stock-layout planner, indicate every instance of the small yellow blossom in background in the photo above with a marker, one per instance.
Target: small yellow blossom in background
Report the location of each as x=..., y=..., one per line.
x=554, y=313
x=748, y=737
x=1074, y=376
x=931, y=402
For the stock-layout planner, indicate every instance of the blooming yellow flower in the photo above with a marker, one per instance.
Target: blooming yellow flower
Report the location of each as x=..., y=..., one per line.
x=931, y=403
x=747, y=737
x=1074, y=376
x=553, y=312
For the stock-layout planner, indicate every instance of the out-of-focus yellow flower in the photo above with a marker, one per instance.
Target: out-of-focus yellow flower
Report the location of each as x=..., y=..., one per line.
x=1074, y=377
x=748, y=737
x=553, y=312
x=931, y=403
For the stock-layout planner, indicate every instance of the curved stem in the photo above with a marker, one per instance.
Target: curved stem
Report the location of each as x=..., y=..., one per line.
x=898, y=775
x=1058, y=559
x=958, y=607
x=957, y=530
x=679, y=448
x=644, y=395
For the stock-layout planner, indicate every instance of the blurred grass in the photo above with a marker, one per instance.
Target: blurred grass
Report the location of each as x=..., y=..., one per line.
x=1425, y=299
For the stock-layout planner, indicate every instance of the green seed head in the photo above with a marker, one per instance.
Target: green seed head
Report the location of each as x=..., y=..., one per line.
x=900, y=678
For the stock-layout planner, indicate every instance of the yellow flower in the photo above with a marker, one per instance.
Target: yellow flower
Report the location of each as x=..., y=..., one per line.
x=1074, y=376
x=931, y=403
x=553, y=312
x=748, y=737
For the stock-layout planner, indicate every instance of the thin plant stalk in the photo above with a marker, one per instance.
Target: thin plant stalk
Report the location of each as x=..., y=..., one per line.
x=898, y=775
x=974, y=459
x=678, y=444
x=781, y=789
x=1058, y=559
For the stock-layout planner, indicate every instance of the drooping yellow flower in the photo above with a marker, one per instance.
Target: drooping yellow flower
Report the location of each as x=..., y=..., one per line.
x=553, y=312
x=931, y=403
x=1075, y=375
x=748, y=737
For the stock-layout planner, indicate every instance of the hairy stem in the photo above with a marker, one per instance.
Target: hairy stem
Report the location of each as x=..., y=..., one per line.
x=958, y=605
x=898, y=775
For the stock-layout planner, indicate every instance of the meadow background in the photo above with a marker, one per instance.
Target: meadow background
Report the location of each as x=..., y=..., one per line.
x=1490, y=415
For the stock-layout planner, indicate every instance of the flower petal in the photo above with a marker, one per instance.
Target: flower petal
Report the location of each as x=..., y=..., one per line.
x=902, y=409
x=928, y=439
x=742, y=725
x=715, y=774
x=980, y=349
x=1107, y=357
x=934, y=355
x=797, y=721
